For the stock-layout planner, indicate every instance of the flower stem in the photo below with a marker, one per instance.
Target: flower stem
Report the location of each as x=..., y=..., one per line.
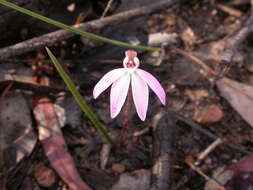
x=127, y=117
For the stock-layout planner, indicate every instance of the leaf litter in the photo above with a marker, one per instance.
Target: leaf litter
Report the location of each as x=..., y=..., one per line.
x=183, y=79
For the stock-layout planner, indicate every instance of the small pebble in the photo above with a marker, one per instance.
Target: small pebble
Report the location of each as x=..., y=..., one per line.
x=45, y=176
x=209, y=115
x=118, y=168
x=171, y=20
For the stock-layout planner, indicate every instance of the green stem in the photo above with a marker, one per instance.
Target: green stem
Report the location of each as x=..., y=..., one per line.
x=79, y=99
x=75, y=30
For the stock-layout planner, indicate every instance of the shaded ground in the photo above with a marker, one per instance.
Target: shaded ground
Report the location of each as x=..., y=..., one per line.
x=198, y=25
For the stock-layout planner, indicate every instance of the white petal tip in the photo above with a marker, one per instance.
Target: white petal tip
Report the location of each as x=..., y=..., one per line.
x=143, y=118
x=113, y=116
x=95, y=95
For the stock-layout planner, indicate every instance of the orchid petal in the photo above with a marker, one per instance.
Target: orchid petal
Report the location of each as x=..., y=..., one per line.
x=119, y=93
x=107, y=80
x=154, y=84
x=140, y=95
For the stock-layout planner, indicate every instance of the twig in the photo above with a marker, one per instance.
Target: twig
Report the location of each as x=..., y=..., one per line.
x=200, y=129
x=162, y=148
x=206, y=177
x=109, y=4
x=209, y=149
x=230, y=10
x=208, y=70
x=141, y=132
x=59, y=35
x=41, y=89
x=104, y=155
x=238, y=2
x=235, y=41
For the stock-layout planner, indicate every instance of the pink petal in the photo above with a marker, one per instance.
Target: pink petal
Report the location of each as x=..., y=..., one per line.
x=107, y=80
x=119, y=93
x=153, y=84
x=140, y=95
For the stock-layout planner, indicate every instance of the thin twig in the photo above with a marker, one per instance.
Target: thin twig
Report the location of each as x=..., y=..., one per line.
x=141, y=132
x=108, y=6
x=200, y=129
x=41, y=89
x=104, y=155
x=230, y=10
x=206, y=177
x=201, y=156
x=59, y=35
x=208, y=70
x=235, y=41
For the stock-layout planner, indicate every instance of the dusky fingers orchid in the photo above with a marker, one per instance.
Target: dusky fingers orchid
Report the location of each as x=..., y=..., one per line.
x=120, y=80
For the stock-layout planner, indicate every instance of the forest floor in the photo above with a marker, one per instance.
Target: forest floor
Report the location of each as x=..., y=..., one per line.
x=193, y=142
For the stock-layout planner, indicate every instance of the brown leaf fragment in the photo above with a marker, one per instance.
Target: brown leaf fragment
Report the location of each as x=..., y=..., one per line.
x=54, y=145
x=240, y=97
x=243, y=174
x=17, y=137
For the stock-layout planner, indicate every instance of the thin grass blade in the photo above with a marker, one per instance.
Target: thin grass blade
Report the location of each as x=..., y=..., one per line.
x=79, y=99
x=75, y=30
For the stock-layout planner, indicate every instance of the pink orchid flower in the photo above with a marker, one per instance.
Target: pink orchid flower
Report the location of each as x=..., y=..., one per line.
x=120, y=80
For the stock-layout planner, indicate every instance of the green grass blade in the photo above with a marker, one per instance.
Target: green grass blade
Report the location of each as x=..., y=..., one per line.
x=79, y=99
x=75, y=30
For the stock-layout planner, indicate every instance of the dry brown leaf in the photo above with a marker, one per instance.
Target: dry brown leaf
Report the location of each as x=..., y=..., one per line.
x=18, y=139
x=242, y=174
x=55, y=146
x=240, y=97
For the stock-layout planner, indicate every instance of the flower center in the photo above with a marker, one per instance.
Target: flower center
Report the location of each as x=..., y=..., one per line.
x=131, y=60
x=130, y=64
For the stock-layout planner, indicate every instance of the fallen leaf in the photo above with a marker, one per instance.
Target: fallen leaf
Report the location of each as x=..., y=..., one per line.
x=240, y=97
x=242, y=174
x=54, y=145
x=18, y=139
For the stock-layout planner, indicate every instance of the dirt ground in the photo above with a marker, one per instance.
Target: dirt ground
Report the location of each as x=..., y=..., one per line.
x=192, y=143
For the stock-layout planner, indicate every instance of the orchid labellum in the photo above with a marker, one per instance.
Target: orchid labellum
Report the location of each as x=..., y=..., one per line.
x=120, y=80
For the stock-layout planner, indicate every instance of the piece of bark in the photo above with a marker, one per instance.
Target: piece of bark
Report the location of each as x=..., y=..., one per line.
x=19, y=138
x=162, y=151
x=54, y=145
x=53, y=37
x=28, y=86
